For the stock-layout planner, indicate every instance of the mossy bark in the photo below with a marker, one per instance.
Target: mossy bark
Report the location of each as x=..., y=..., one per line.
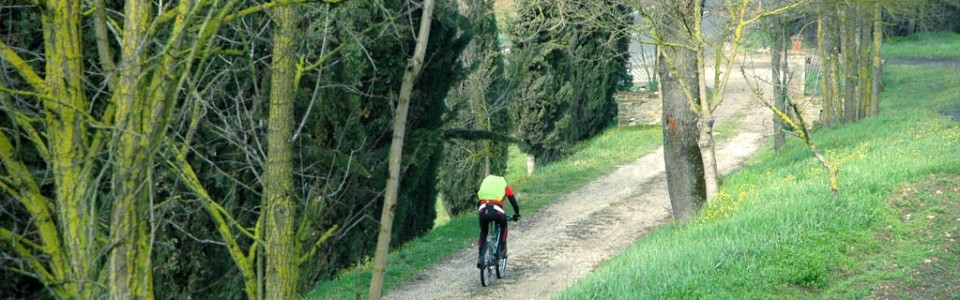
x=876, y=62
x=66, y=133
x=279, y=215
x=130, y=266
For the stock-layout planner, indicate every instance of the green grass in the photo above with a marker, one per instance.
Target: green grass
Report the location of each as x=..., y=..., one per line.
x=777, y=232
x=585, y=162
x=917, y=256
x=933, y=45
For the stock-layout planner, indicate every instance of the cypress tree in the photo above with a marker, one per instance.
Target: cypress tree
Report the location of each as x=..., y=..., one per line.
x=568, y=68
x=478, y=103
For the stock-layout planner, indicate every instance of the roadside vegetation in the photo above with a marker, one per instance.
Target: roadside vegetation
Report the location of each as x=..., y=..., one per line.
x=584, y=163
x=929, y=45
x=776, y=231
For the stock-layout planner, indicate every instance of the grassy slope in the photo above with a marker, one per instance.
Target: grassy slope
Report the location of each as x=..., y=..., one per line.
x=588, y=161
x=777, y=232
x=930, y=45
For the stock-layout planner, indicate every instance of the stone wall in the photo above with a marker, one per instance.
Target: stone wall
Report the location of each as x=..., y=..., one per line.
x=811, y=110
x=639, y=108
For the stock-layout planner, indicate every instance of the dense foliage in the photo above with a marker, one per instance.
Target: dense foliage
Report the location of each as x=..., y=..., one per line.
x=345, y=110
x=479, y=102
x=570, y=58
x=564, y=68
x=342, y=130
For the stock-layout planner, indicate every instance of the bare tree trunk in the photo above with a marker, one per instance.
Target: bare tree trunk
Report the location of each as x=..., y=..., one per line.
x=877, y=68
x=278, y=208
x=778, y=71
x=848, y=38
x=865, y=78
x=396, y=153
x=830, y=57
x=826, y=81
x=707, y=146
x=836, y=85
x=678, y=74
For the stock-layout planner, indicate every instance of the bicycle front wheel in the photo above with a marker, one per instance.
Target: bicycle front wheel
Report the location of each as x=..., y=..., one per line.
x=486, y=272
x=501, y=266
x=486, y=276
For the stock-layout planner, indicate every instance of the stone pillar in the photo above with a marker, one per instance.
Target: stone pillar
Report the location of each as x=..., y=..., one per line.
x=796, y=67
x=796, y=42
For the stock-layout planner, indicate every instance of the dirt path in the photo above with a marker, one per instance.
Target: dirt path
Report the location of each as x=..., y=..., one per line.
x=554, y=248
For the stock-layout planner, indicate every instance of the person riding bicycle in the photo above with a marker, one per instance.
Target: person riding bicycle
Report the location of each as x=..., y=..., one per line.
x=492, y=191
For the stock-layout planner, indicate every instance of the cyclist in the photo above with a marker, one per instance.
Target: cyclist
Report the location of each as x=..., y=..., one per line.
x=492, y=191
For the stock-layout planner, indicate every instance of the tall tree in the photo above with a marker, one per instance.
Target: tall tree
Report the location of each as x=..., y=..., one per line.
x=778, y=60
x=539, y=67
x=828, y=41
x=278, y=203
x=396, y=151
x=677, y=71
x=876, y=63
x=479, y=102
x=864, y=62
x=849, y=64
x=131, y=268
x=569, y=57
x=81, y=108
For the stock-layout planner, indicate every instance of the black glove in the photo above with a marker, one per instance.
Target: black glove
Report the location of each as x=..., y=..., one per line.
x=516, y=217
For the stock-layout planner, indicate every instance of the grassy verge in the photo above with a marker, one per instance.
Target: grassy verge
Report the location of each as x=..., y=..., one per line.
x=933, y=45
x=588, y=161
x=777, y=232
x=917, y=256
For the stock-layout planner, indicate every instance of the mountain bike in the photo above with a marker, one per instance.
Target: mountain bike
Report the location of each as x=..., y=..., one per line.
x=494, y=256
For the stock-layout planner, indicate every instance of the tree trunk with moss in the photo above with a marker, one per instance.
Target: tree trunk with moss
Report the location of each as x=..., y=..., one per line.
x=848, y=51
x=131, y=270
x=282, y=271
x=875, y=86
x=865, y=69
x=68, y=150
x=828, y=38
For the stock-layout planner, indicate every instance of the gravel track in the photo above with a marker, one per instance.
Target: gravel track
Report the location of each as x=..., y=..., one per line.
x=564, y=241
